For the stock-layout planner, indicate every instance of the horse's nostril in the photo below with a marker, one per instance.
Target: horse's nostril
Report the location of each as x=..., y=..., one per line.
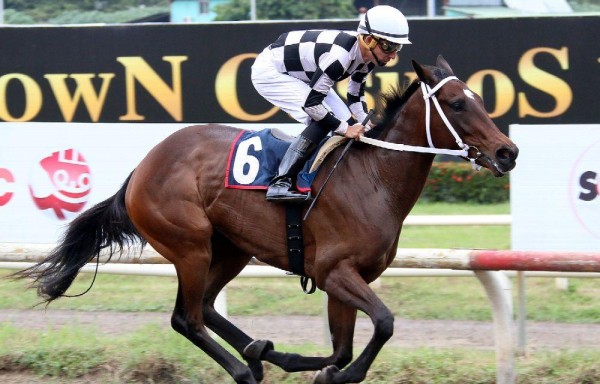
x=506, y=155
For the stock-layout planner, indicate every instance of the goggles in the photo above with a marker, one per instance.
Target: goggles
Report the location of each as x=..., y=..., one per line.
x=387, y=46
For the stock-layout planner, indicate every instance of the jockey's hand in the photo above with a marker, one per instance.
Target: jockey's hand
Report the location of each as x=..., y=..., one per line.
x=355, y=131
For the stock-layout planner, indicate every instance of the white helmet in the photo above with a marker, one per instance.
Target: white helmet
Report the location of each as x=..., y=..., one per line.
x=385, y=22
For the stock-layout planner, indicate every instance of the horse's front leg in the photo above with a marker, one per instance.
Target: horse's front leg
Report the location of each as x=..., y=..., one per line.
x=346, y=285
x=342, y=319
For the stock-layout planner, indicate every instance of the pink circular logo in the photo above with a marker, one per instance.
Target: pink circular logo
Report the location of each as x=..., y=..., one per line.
x=584, y=189
x=61, y=183
x=7, y=181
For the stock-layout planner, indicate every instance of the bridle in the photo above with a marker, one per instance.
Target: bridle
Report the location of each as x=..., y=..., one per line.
x=428, y=95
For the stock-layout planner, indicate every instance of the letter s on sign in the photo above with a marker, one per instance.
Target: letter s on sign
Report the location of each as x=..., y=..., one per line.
x=588, y=183
x=246, y=166
x=546, y=82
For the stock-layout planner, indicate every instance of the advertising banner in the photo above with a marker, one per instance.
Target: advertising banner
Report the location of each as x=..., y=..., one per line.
x=81, y=105
x=554, y=188
x=529, y=70
x=50, y=172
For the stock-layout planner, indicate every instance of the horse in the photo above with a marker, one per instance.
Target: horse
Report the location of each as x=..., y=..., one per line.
x=176, y=201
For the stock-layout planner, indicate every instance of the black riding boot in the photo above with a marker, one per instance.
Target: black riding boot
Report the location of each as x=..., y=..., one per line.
x=280, y=188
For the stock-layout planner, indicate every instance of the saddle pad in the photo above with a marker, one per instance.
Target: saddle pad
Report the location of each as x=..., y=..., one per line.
x=254, y=158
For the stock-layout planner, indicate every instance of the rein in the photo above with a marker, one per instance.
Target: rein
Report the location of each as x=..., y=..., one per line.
x=429, y=94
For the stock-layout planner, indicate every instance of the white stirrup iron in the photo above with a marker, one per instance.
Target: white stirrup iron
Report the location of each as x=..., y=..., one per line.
x=429, y=93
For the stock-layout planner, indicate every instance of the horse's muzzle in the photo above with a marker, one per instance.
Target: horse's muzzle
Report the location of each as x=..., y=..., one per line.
x=506, y=157
x=502, y=161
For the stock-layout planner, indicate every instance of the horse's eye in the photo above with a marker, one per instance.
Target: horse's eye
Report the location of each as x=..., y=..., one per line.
x=457, y=106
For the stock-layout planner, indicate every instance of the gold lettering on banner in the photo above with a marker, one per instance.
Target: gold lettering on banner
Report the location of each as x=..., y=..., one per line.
x=411, y=76
x=545, y=82
x=136, y=68
x=387, y=80
x=33, y=97
x=68, y=103
x=227, y=94
x=504, y=90
x=342, y=88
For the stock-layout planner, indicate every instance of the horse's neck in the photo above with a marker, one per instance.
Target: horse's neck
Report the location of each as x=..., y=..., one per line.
x=402, y=173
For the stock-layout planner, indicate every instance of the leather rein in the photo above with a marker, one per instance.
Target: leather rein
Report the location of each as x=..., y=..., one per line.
x=429, y=96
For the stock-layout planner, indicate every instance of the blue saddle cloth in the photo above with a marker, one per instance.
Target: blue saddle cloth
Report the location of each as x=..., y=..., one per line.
x=254, y=158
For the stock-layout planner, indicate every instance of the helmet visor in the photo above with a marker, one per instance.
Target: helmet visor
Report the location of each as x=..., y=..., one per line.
x=388, y=46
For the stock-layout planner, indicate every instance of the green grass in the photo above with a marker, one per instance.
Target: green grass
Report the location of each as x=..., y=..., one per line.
x=469, y=236
x=463, y=236
x=137, y=358
x=460, y=209
x=449, y=298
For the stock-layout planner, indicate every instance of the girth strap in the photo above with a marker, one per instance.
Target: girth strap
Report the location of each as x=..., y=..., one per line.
x=295, y=245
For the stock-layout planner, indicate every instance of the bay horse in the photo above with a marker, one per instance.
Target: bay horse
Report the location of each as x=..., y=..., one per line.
x=176, y=201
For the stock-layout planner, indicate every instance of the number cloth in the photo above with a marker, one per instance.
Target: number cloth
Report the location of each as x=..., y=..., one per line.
x=254, y=158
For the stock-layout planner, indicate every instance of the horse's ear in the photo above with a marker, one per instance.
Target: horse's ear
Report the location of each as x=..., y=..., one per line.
x=443, y=64
x=420, y=71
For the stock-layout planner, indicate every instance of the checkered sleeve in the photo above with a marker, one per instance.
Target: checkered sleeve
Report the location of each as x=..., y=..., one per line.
x=357, y=102
x=320, y=84
x=319, y=58
x=332, y=51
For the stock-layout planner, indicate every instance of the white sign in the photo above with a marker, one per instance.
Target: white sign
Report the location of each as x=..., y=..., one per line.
x=555, y=195
x=51, y=172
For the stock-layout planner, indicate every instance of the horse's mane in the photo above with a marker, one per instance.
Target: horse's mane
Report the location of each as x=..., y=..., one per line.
x=392, y=101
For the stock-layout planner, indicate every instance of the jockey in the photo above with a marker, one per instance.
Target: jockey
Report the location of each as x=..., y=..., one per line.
x=298, y=71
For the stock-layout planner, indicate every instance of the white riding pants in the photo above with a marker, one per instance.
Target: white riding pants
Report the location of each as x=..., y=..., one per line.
x=289, y=93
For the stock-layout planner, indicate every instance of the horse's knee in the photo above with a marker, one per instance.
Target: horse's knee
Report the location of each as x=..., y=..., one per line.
x=208, y=310
x=178, y=324
x=342, y=358
x=384, y=325
x=192, y=330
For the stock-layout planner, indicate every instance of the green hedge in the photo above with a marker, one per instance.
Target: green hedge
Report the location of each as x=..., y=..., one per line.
x=454, y=182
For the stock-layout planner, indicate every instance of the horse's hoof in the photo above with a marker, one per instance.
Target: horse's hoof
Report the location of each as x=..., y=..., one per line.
x=256, y=368
x=325, y=375
x=257, y=349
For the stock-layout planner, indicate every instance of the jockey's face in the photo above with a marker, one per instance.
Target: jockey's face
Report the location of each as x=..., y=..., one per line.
x=383, y=53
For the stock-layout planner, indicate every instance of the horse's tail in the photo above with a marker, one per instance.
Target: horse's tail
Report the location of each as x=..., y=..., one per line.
x=105, y=225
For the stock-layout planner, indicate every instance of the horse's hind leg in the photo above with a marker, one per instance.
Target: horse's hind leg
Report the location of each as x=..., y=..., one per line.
x=188, y=317
x=228, y=261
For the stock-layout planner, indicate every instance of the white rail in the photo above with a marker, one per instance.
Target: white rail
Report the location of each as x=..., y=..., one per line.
x=458, y=220
x=484, y=264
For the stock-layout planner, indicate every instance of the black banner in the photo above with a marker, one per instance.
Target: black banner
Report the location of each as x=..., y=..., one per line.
x=540, y=70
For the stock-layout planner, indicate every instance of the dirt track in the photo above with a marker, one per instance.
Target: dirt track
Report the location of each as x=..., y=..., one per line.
x=302, y=329
x=310, y=329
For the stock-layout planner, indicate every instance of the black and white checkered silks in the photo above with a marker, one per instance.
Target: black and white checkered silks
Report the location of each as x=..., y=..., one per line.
x=298, y=71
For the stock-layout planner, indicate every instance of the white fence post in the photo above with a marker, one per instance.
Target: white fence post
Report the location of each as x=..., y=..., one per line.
x=499, y=290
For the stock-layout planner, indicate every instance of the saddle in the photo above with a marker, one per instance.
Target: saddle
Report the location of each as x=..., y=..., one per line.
x=254, y=158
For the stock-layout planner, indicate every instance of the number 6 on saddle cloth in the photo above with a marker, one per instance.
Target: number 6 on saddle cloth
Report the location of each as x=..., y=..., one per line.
x=255, y=156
